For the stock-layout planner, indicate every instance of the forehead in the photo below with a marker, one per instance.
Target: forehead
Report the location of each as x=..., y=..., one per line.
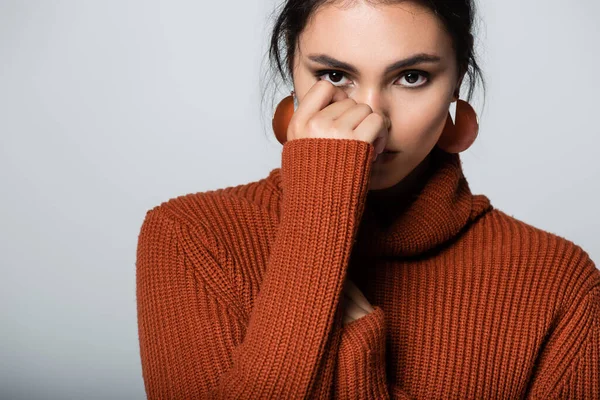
x=368, y=33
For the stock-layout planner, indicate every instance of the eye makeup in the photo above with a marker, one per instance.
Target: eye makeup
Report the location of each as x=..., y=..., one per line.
x=423, y=75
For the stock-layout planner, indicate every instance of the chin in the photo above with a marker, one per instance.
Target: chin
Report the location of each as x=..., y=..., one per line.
x=394, y=175
x=384, y=176
x=381, y=182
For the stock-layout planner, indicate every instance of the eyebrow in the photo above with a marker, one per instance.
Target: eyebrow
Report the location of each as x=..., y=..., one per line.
x=407, y=62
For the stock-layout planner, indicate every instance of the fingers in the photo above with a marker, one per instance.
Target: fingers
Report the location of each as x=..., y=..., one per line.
x=374, y=128
x=379, y=144
x=335, y=110
x=319, y=96
x=353, y=116
x=355, y=296
x=327, y=111
x=352, y=311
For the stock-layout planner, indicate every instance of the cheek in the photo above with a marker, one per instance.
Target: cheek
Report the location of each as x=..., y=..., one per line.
x=419, y=124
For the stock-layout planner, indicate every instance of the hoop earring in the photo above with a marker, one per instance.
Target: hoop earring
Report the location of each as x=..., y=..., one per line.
x=282, y=117
x=459, y=135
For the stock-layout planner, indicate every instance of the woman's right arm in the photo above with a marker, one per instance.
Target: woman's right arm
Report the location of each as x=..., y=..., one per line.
x=194, y=341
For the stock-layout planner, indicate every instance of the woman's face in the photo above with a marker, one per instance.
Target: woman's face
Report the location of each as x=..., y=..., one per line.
x=354, y=47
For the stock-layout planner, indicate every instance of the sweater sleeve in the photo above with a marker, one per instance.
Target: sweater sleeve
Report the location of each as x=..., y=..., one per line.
x=194, y=341
x=361, y=366
x=569, y=367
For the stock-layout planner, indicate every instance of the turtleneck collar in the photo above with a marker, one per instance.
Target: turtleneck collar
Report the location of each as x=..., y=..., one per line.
x=439, y=208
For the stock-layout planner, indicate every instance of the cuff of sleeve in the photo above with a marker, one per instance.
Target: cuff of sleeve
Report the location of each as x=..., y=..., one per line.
x=361, y=357
x=368, y=332
x=317, y=171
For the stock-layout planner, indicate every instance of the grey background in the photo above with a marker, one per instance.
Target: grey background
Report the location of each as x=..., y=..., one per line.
x=108, y=108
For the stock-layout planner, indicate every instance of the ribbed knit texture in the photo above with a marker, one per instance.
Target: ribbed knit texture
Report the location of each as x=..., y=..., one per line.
x=238, y=291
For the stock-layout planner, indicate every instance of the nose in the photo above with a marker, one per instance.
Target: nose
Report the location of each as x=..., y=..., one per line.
x=377, y=100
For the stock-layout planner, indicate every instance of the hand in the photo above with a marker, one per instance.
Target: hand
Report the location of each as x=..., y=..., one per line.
x=326, y=111
x=354, y=303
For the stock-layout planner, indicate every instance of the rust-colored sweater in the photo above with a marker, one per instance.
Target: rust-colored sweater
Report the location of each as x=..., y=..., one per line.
x=238, y=291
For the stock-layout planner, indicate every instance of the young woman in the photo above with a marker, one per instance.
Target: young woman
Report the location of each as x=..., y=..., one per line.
x=364, y=267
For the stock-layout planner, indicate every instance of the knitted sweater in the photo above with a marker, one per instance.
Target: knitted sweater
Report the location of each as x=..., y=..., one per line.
x=238, y=291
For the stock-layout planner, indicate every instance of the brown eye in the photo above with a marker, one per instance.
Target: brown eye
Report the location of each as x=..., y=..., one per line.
x=414, y=79
x=334, y=77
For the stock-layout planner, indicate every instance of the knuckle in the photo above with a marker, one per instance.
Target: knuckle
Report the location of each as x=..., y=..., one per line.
x=378, y=119
x=313, y=126
x=339, y=130
x=367, y=107
x=293, y=128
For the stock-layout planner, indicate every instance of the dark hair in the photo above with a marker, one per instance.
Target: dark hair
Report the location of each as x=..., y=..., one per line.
x=456, y=15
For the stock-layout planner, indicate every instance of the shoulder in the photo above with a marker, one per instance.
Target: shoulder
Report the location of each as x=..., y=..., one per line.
x=208, y=232
x=521, y=248
x=213, y=229
x=217, y=209
x=225, y=224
